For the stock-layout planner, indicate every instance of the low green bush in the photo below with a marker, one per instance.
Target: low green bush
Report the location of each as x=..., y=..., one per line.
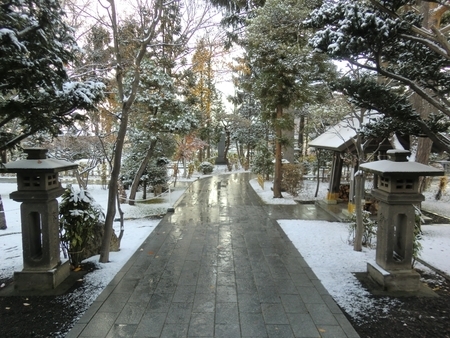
x=206, y=168
x=79, y=214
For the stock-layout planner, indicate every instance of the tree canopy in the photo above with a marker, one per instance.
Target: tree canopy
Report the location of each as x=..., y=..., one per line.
x=37, y=93
x=284, y=70
x=398, y=54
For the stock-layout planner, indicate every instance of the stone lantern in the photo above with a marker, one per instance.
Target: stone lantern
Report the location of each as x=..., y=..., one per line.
x=396, y=187
x=38, y=188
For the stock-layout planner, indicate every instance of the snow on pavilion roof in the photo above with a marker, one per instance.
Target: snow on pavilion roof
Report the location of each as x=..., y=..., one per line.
x=339, y=137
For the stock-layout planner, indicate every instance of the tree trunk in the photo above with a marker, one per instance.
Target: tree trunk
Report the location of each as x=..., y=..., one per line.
x=431, y=17
x=301, y=134
x=137, y=177
x=185, y=170
x=208, y=147
x=226, y=149
x=81, y=183
x=122, y=227
x=424, y=144
x=240, y=153
x=318, y=153
x=127, y=102
x=247, y=160
x=278, y=156
x=113, y=187
x=359, y=231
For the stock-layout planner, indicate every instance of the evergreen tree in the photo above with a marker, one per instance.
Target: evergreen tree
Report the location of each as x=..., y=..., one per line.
x=248, y=129
x=204, y=91
x=37, y=94
x=284, y=70
x=235, y=16
x=397, y=56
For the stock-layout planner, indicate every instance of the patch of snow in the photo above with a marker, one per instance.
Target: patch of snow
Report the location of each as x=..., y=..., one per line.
x=324, y=245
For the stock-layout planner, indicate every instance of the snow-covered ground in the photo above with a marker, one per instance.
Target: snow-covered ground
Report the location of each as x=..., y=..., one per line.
x=324, y=245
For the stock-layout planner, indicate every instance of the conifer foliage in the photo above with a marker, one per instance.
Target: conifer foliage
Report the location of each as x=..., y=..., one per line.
x=36, y=93
x=399, y=52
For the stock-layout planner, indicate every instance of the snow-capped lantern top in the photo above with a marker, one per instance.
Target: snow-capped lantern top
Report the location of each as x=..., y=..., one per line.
x=37, y=172
x=397, y=174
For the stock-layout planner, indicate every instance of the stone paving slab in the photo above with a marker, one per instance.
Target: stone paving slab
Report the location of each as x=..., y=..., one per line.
x=220, y=266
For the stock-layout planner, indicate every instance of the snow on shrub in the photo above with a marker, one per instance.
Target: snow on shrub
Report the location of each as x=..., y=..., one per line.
x=78, y=215
x=206, y=168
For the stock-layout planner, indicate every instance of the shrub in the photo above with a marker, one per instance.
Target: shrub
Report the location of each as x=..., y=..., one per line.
x=370, y=228
x=206, y=168
x=292, y=178
x=79, y=215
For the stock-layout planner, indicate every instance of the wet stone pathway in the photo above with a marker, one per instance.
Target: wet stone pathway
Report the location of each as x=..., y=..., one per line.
x=219, y=266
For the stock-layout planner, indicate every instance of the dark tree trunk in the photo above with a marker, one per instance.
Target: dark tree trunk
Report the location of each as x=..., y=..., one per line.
x=227, y=148
x=137, y=177
x=278, y=156
x=301, y=132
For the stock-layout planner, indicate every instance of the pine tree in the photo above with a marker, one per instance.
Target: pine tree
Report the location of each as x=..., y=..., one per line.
x=285, y=72
x=398, y=53
x=37, y=95
x=204, y=90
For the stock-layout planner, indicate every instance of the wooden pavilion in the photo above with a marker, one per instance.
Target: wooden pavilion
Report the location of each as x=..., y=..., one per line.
x=341, y=139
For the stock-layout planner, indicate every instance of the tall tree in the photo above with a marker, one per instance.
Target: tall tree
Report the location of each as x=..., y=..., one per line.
x=203, y=89
x=158, y=103
x=235, y=16
x=284, y=69
x=37, y=90
x=160, y=113
x=126, y=96
x=248, y=128
x=135, y=40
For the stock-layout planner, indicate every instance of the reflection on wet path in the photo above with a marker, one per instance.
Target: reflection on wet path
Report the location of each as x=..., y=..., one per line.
x=220, y=266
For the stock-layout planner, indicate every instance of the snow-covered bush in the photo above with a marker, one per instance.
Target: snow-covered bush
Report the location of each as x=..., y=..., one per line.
x=79, y=214
x=206, y=168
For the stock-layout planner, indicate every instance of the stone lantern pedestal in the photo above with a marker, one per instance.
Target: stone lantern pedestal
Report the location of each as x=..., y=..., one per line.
x=396, y=186
x=38, y=188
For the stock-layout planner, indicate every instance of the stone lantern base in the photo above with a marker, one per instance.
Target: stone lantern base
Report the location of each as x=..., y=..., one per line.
x=41, y=280
x=400, y=280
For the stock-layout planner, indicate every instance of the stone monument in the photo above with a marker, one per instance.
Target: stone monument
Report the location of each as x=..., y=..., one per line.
x=221, y=151
x=396, y=187
x=38, y=188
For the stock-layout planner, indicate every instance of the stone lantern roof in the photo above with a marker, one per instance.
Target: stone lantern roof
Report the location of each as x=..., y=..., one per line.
x=398, y=165
x=37, y=161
